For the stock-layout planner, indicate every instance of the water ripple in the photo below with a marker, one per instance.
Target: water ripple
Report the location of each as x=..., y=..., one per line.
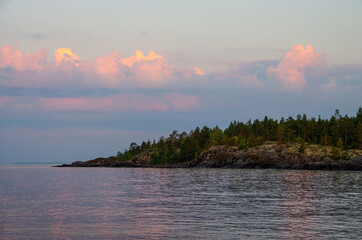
x=86, y=203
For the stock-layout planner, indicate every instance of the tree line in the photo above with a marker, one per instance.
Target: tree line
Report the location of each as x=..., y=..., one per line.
x=339, y=131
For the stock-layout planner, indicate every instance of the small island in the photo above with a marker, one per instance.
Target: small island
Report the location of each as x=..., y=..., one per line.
x=302, y=143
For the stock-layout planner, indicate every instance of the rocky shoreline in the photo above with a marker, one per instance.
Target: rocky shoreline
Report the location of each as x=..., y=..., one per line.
x=272, y=155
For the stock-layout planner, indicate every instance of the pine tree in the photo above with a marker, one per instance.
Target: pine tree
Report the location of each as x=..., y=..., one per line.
x=340, y=146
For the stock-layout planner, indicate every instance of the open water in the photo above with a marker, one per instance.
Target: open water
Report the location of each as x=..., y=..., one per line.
x=40, y=202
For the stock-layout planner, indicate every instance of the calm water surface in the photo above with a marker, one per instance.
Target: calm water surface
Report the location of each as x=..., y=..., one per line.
x=40, y=202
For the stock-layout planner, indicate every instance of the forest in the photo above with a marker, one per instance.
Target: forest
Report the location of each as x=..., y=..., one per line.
x=342, y=132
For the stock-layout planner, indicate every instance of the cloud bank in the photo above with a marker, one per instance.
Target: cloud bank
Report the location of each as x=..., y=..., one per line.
x=147, y=82
x=110, y=71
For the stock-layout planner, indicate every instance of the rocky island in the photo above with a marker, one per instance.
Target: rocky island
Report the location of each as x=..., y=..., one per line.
x=302, y=143
x=268, y=155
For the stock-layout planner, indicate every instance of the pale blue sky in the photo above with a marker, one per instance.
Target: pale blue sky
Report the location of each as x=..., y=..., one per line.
x=187, y=32
x=254, y=55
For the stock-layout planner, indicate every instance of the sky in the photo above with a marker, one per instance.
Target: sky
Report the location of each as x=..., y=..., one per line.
x=84, y=79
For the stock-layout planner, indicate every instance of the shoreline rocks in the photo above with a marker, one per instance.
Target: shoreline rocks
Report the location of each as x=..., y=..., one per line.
x=272, y=155
x=231, y=157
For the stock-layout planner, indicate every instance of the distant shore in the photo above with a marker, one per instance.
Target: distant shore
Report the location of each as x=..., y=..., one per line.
x=270, y=155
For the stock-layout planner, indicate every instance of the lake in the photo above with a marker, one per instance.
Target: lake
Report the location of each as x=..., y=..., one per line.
x=41, y=202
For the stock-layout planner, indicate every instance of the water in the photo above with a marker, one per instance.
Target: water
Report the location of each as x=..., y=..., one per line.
x=39, y=202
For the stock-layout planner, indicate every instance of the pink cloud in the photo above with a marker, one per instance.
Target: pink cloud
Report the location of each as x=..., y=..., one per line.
x=108, y=65
x=143, y=103
x=73, y=104
x=129, y=102
x=198, y=71
x=140, y=70
x=11, y=57
x=293, y=66
x=153, y=73
x=139, y=56
x=110, y=71
x=183, y=102
x=66, y=55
